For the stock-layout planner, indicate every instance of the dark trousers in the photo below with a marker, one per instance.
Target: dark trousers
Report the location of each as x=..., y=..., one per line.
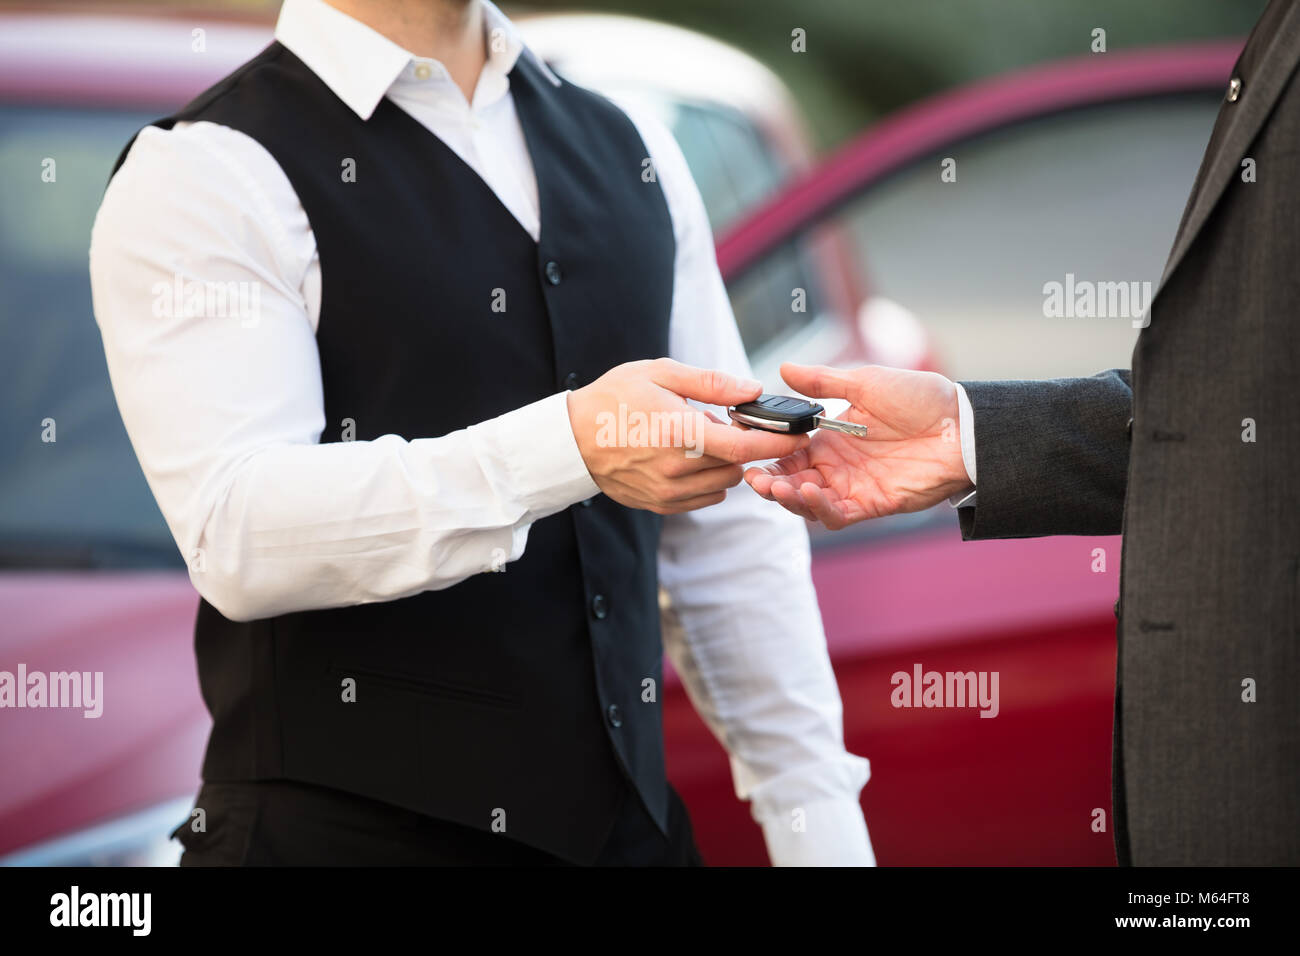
x=284, y=823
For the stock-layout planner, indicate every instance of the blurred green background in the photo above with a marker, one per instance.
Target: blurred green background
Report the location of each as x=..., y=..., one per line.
x=868, y=57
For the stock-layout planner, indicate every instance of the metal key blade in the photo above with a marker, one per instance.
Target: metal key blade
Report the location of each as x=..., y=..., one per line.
x=848, y=428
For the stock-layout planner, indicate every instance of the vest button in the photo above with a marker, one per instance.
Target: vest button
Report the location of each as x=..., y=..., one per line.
x=599, y=607
x=615, y=715
x=571, y=381
x=553, y=275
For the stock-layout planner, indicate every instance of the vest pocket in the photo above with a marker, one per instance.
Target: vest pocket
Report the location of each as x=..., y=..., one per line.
x=423, y=686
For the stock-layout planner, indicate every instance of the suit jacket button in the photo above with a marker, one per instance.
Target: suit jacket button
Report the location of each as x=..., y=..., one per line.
x=1116, y=609
x=1129, y=428
x=599, y=607
x=1234, y=89
x=615, y=715
x=553, y=274
x=571, y=381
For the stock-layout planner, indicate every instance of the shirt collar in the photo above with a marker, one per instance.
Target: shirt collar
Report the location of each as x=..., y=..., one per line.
x=360, y=65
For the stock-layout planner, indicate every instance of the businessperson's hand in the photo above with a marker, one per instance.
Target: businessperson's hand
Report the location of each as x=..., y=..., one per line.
x=910, y=459
x=647, y=448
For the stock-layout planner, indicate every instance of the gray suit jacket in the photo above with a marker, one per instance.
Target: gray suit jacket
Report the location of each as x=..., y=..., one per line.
x=1210, y=590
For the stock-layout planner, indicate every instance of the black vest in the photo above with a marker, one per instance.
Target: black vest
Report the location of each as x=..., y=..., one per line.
x=513, y=697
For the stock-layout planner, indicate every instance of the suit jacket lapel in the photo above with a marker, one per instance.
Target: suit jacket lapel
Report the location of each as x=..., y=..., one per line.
x=1244, y=118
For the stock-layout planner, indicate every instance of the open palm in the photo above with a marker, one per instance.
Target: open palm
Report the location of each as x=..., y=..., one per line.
x=910, y=459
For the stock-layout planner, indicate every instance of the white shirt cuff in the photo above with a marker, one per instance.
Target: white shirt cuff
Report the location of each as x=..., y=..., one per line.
x=966, y=427
x=829, y=832
x=534, y=448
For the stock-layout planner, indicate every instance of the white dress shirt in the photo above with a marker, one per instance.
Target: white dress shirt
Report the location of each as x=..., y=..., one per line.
x=226, y=419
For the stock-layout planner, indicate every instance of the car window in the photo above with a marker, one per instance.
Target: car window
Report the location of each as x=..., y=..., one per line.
x=79, y=500
x=1082, y=203
x=729, y=159
x=736, y=170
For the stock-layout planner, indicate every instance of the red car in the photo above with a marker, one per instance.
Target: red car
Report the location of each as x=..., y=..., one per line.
x=1077, y=169
x=1081, y=168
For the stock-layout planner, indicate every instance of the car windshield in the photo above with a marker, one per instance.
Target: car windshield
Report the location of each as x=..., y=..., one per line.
x=71, y=491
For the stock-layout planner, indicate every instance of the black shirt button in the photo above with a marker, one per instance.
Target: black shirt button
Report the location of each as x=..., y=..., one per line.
x=553, y=274
x=571, y=381
x=615, y=715
x=599, y=607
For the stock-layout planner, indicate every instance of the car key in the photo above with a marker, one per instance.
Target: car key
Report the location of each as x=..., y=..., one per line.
x=795, y=416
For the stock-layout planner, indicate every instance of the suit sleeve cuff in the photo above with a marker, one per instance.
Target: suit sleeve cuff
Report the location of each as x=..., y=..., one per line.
x=829, y=832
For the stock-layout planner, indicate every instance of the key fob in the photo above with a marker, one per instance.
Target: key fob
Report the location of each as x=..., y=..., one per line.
x=778, y=413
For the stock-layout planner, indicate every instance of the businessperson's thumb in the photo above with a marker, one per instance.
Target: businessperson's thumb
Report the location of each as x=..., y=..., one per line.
x=822, y=381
